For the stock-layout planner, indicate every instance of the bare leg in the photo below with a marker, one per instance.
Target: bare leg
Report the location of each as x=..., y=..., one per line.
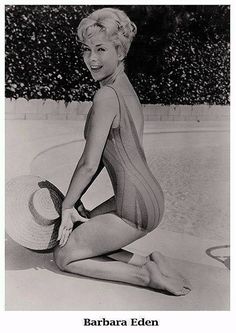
x=129, y=257
x=101, y=268
x=132, y=258
x=104, y=234
x=162, y=262
x=121, y=254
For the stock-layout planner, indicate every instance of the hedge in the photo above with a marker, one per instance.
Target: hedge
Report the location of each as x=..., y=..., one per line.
x=181, y=54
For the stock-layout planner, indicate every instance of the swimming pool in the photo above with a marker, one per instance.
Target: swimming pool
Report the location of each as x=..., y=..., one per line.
x=191, y=166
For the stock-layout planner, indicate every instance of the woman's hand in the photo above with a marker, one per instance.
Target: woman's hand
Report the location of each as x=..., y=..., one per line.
x=68, y=218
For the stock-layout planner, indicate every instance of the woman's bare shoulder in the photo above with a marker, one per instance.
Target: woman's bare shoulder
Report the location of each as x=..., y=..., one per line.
x=104, y=93
x=105, y=102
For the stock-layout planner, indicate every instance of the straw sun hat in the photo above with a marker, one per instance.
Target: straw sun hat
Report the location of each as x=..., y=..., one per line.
x=33, y=207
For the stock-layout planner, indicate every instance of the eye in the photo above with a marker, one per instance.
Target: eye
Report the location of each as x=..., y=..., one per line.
x=101, y=49
x=84, y=49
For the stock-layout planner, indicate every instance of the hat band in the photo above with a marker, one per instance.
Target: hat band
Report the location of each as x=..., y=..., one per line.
x=45, y=206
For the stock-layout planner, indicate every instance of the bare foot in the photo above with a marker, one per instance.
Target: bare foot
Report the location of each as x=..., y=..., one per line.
x=164, y=264
x=166, y=268
x=164, y=276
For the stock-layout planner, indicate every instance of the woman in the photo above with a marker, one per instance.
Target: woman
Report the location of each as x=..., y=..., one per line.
x=113, y=133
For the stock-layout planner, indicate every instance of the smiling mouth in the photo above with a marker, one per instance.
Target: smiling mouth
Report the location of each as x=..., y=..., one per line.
x=95, y=68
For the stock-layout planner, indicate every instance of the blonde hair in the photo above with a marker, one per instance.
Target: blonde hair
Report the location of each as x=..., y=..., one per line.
x=114, y=22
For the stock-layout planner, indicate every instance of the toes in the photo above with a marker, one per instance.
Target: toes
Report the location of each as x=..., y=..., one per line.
x=186, y=288
x=167, y=270
x=179, y=287
x=174, y=284
x=184, y=291
x=187, y=284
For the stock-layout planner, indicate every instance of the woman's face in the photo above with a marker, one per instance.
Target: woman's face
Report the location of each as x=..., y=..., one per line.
x=101, y=56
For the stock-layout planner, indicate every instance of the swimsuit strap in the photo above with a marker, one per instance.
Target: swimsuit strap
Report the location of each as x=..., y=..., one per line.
x=128, y=112
x=117, y=98
x=131, y=121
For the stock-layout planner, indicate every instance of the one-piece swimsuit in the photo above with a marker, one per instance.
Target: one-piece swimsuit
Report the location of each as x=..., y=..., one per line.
x=138, y=195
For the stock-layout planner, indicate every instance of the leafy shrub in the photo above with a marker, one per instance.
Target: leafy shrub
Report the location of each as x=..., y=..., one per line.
x=182, y=59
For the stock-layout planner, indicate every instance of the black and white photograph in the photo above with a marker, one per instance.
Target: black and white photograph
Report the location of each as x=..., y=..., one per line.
x=117, y=159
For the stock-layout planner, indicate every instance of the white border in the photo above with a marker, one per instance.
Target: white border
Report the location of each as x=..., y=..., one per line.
x=71, y=321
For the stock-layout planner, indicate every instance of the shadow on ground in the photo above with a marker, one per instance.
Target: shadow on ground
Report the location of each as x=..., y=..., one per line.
x=18, y=257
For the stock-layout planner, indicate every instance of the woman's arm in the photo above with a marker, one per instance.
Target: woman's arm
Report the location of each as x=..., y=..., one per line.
x=105, y=109
x=100, y=168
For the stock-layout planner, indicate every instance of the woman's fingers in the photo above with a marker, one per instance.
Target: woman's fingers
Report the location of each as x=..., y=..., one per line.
x=62, y=237
x=69, y=216
x=65, y=235
x=60, y=232
x=66, y=223
x=62, y=240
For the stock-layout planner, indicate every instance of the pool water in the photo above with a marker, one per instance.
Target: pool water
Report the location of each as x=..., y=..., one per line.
x=191, y=167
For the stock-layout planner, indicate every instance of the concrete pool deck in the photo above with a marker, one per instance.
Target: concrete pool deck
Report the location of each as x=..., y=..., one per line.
x=33, y=281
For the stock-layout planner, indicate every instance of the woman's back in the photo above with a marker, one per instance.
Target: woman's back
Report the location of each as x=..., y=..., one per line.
x=139, y=197
x=133, y=104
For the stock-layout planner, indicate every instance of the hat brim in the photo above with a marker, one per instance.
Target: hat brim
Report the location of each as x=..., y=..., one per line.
x=21, y=225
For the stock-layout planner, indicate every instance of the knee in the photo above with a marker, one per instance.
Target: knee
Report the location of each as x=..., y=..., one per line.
x=60, y=258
